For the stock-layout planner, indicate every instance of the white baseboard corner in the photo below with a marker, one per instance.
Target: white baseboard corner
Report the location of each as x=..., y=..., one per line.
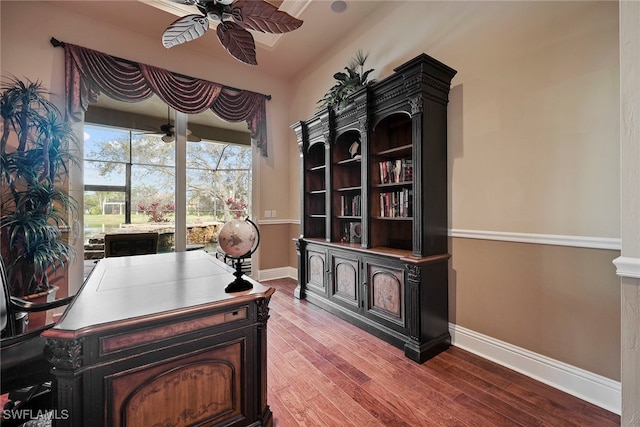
x=593, y=388
x=277, y=273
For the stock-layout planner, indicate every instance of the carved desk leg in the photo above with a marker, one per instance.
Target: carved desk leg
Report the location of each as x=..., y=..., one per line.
x=263, y=315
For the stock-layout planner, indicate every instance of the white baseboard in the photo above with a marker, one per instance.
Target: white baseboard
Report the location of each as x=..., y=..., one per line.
x=278, y=273
x=585, y=385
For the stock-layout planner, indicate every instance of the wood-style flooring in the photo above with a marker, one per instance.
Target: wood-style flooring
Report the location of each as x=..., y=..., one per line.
x=322, y=371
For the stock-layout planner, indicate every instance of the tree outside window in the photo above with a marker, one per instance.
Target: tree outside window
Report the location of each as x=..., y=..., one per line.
x=137, y=170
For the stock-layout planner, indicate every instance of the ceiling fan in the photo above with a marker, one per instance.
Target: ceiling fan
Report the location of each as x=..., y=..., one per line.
x=234, y=19
x=168, y=131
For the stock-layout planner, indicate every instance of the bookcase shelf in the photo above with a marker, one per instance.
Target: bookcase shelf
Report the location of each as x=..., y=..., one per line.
x=377, y=171
x=393, y=185
x=397, y=218
x=395, y=150
x=350, y=161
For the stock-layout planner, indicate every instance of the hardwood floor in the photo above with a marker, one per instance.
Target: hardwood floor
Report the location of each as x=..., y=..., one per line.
x=323, y=371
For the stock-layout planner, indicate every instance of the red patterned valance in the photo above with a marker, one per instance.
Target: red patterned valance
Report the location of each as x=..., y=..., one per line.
x=90, y=73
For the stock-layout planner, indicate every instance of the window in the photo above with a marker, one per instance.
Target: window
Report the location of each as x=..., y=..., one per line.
x=130, y=179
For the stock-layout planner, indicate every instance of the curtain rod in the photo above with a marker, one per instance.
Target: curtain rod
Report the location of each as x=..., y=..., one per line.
x=57, y=43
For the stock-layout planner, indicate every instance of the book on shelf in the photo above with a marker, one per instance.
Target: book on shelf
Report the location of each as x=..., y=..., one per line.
x=350, y=205
x=396, y=204
x=407, y=170
x=396, y=171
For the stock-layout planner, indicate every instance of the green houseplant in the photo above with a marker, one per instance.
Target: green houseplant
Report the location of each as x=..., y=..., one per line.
x=36, y=148
x=347, y=83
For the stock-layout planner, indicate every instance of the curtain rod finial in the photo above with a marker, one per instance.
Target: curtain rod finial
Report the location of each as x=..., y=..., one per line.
x=56, y=43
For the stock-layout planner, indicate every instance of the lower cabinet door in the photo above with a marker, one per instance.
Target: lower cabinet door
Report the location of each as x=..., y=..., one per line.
x=316, y=270
x=345, y=283
x=385, y=293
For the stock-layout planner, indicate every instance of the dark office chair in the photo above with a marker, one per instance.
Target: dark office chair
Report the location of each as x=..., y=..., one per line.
x=25, y=373
x=130, y=244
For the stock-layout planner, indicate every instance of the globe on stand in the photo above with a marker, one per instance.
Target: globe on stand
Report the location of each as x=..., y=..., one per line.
x=238, y=239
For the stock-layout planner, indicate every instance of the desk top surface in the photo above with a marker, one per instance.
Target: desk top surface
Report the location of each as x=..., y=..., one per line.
x=125, y=288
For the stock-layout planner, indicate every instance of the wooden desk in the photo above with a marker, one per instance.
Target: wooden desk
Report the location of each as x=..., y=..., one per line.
x=155, y=340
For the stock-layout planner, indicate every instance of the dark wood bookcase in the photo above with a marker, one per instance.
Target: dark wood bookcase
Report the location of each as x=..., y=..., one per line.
x=373, y=246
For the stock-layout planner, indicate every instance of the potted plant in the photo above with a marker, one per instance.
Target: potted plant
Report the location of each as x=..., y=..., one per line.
x=347, y=83
x=36, y=148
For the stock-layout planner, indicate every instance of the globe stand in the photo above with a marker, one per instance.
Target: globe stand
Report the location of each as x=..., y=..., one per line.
x=239, y=284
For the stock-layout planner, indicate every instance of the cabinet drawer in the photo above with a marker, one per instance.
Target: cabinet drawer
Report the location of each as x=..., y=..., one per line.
x=127, y=341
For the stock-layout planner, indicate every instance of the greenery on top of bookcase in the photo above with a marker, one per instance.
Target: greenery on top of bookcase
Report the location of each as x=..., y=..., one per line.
x=347, y=83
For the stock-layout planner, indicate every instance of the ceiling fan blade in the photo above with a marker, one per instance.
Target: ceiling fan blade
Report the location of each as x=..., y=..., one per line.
x=263, y=16
x=192, y=138
x=185, y=29
x=237, y=41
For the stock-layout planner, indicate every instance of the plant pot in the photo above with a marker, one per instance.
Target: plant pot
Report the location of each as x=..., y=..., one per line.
x=39, y=319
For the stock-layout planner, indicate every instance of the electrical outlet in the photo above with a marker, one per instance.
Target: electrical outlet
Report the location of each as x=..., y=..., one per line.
x=273, y=214
x=267, y=214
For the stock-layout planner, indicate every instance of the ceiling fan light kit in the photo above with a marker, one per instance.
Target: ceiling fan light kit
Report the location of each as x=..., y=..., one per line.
x=168, y=131
x=234, y=19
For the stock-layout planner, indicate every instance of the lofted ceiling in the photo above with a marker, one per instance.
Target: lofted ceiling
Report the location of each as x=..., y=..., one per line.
x=283, y=55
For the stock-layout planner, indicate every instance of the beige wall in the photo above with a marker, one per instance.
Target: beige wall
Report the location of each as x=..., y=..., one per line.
x=533, y=149
x=533, y=133
x=280, y=244
x=560, y=302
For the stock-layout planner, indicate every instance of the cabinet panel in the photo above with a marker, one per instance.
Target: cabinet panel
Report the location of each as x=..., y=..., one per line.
x=178, y=392
x=386, y=293
x=316, y=269
x=346, y=279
